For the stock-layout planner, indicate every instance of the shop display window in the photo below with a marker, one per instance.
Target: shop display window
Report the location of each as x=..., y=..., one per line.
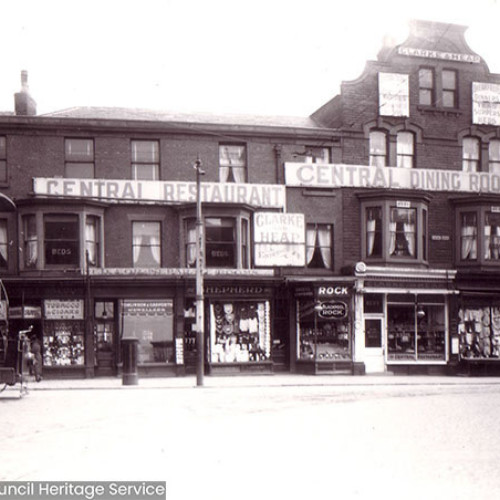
x=416, y=331
x=63, y=343
x=479, y=332
x=240, y=332
x=321, y=339
x=152, y=323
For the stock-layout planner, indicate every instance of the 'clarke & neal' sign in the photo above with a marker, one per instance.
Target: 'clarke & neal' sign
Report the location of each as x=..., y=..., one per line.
x=257, y=195
x=361, y=176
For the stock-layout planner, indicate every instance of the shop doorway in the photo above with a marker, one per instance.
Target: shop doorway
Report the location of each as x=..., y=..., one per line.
x=374, y=357
x=104, y=338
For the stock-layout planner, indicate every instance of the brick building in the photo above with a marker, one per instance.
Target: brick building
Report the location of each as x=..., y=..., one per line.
x=364, y=237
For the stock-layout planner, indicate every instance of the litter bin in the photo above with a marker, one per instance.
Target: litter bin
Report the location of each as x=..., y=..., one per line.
x=129, y=356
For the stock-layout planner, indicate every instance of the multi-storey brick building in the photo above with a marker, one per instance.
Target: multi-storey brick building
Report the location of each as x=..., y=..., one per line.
x=363, y=237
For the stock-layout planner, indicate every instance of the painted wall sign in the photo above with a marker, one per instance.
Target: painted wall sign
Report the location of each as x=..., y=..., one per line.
x=486, y=103
x=362, y=176
x=148, y=307
x=332, y=310
x=176, y=271
x=279, y=239
x=340, y=290
x=63, y=309
x=122, y=191
x=393, y=94
x=436, y=54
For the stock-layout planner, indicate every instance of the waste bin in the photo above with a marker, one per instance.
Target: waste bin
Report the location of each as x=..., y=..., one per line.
x=129, y=356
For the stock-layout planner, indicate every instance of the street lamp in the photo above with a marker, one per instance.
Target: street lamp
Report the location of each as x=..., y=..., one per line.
x=199, y=277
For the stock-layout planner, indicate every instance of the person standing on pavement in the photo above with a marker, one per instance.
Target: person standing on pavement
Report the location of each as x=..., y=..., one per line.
x=36, y=350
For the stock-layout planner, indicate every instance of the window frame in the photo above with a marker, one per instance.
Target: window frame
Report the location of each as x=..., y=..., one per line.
x=468, y=160
x=449, y=90
x=374, y=154
x=402, y=156
x=242, y=249
x=385, y=205
x=32, y=237
x=137, y=163
x=3, y=160
x=137, y=247
x=429, y=90
x=225, y=163
x=494, y=156
x=76, y=161
x=317, y=256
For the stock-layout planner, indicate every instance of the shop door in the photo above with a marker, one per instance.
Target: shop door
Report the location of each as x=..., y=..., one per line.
x=374, y=344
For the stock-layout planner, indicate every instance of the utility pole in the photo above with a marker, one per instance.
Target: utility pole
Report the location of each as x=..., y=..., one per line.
x=200, y=264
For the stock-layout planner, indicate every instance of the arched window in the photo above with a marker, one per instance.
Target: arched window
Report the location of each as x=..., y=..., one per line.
x=405, y=150
x=494, y=156
x=378, y=148
x=470, y=154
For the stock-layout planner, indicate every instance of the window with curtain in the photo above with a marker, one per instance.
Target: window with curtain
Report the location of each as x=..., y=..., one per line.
x=492, y=236
x=405, y=149
x=394, y=230
x=146, y=248
x=374, y=232
x=319, y=246
x=470, y=154
x=3, y=159
x=402, y=232
x=232, y=163
x=92, y=240
x=468, y=236
x=494, y=156
x=449, y=84
x=4, y=245
x=426, y=86
x=79, y=158
x=317, y=154
x=378, y=148
x=145, y=160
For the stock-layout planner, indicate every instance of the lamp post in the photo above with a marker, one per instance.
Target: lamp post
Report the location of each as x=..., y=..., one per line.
x=200, y=262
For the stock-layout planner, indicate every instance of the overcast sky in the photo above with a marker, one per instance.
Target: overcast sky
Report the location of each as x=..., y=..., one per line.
x=280, y=57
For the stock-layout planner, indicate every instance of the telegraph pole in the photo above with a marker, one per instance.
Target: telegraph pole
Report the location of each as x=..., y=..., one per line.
x=200, y=264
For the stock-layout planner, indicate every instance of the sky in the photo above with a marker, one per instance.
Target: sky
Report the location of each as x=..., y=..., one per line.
x=260, y=57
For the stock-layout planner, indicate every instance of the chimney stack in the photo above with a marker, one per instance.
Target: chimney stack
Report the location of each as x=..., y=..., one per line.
x=25, y=105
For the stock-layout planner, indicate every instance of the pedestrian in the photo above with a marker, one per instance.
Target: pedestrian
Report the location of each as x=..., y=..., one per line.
x=36, y=350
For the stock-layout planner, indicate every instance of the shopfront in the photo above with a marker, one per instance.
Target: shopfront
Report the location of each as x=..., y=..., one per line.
x=238, y=328
x=324, y=328
x=404, y=323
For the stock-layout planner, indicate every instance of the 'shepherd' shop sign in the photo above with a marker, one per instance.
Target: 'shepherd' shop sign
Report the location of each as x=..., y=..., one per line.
x=137, y=191
x=361, y=176
x=279, y=239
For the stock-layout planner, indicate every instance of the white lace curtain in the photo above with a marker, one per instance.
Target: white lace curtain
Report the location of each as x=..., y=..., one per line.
x=319, y=236
x=3, y=241
x=469, y=242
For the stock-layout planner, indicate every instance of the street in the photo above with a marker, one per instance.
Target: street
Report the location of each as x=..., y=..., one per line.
x=328, y=441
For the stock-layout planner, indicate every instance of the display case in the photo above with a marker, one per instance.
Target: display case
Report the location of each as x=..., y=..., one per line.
x=240, y=332
x=479, y=332
x=63, y=343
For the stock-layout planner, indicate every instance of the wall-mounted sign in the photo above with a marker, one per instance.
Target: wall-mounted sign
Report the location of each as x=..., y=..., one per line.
x=335, y=290
x=332, y=310
x=279, y=239
x=486, y=103
x=25, y=312
x=360, y=176
x=122, y=191
x=393, y=94
x=177, y=271
x=63, y=309
x=148, y=307
x=437, y=54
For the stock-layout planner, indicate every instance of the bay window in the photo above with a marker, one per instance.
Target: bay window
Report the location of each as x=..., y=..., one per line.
x=60, y=240
x=394, y=230
x=478, y=234
x=226, y=240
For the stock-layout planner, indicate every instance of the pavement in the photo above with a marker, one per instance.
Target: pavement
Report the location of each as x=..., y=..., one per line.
x=273, y=380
